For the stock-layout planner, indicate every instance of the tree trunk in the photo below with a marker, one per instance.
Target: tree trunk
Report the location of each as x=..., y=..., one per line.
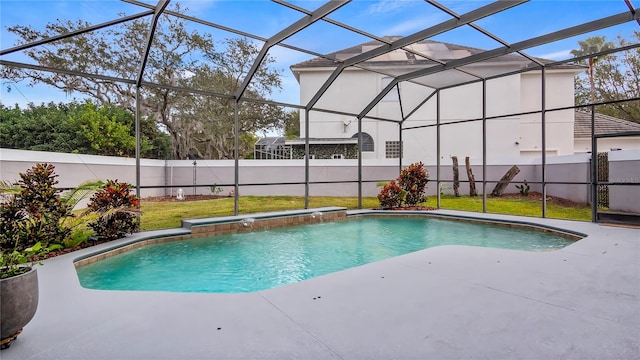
x=592, y=91
x=506, y=179
x=456, y=177
x=472, y=180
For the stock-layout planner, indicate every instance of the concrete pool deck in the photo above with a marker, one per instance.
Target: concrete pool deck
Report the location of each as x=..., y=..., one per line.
x=448, y=302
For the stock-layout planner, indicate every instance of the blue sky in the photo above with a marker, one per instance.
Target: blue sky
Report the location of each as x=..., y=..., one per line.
x=264, y=18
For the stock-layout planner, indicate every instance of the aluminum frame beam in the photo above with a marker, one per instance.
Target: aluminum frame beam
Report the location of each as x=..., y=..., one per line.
x=526, y=44
x=290, y=30
x=228, y=29
x=504, y=50
x=474, y=15
x=480, y=29
x=64, y=71
x=174, y=88
x=633, y=11
x=160, y=7
x=74, y=33
x=330, y=21
x=632, y=15
x=418, y=106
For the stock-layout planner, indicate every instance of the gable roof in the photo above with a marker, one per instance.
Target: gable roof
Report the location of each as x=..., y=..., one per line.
x=603, y=124
x=427, y=48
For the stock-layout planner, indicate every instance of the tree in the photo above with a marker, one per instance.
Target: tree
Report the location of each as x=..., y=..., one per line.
x=210, y=120
x=613, y=77
x=178, y=58
x=38, y=128
x=79, y=128
x=103, y=133
x=592, y=45
x=292, y=124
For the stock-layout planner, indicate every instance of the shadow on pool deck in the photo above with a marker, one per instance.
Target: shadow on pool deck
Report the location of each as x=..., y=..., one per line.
x=582, y=301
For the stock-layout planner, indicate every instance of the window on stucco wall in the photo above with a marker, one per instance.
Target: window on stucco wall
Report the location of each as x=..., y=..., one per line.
x=391, y=95
x=392, y=149
x=367, y=142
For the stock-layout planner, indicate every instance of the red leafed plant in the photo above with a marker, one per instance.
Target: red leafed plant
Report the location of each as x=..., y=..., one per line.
x=31, y=210
x=408, y=190
x=413, y=179
x=118, y=210
x=391, y=195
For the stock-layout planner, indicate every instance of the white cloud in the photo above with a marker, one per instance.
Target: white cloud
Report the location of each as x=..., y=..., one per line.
x=557, y=55
x=286, y=56
x=410, y=26
x=406, y=27
x=387, y=6
x=198, y=7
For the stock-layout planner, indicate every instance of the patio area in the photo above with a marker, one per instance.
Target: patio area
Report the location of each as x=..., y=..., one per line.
x=459, y=302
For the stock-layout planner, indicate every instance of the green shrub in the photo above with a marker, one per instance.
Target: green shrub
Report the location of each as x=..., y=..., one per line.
x=524, y=188
x=117, y=210
x=16, y=262
x=215, y=189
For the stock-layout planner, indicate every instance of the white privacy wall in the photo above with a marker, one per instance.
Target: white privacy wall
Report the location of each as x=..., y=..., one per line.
x=163, y=178
x=624, y=167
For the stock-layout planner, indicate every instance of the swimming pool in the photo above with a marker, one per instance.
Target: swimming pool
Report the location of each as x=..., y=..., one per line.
x=266, y=259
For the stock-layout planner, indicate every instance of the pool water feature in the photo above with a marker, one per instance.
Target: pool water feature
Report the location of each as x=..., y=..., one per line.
x=266, y=259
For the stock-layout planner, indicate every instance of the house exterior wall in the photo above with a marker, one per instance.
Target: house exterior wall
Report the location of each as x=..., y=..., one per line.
x=318, y=151
x=606, y=144
x=509, y=136
x=559, y=92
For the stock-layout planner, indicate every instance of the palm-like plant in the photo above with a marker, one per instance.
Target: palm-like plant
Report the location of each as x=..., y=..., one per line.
x=589, y=46
x=77, y=222
x=33, y=211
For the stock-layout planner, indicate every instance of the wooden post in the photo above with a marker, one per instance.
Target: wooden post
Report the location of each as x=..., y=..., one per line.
x=506, y=179
x=456, y=176
x=472, y=180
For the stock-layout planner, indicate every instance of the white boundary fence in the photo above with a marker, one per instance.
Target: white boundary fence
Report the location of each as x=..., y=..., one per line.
x=164, y=177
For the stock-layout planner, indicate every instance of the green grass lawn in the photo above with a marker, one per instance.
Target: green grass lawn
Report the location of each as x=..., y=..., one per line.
x=511, y=206
x=163, y=215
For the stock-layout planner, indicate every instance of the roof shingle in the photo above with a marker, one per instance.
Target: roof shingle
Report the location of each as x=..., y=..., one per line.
x=430, y=49
x=603, y=124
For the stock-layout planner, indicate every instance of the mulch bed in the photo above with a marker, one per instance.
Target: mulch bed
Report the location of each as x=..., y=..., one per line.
x=425, y=208
x=59, y=252
x=536, y=196
x=186, y=198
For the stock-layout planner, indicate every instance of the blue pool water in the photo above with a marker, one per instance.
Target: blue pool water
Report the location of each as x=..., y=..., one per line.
x=266, y=259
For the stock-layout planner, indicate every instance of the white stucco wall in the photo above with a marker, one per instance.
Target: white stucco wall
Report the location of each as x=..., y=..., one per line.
x=73, y=169
x=519, y=135
x=559, y=92
x=624, y=167
x=607, y=144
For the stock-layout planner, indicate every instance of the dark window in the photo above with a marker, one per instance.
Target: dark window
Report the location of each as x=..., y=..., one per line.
x=392, y=149
x=367, y=141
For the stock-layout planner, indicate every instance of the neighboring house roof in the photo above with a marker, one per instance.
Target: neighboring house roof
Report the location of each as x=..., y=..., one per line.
x=281, y=140
x=428, y=48
x=603, y=124
x=322, y=141
x=266, y=141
